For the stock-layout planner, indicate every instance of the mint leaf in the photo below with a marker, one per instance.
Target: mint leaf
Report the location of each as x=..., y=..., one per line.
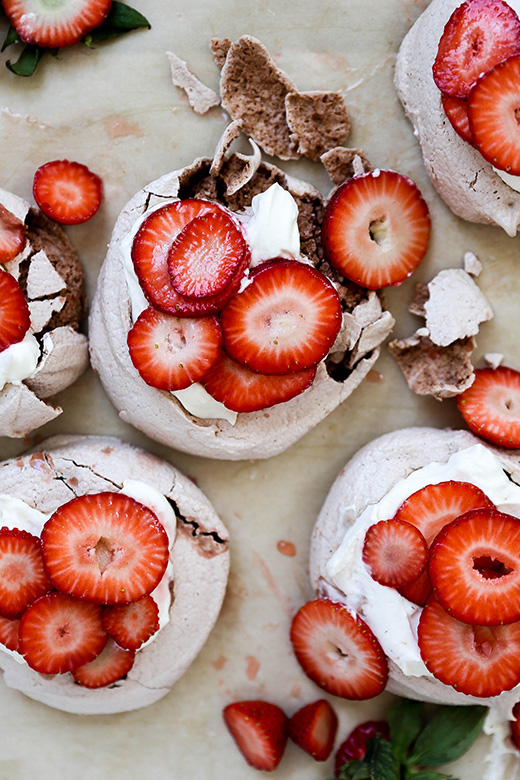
x=355, y=770
x=449, y=734
x=120, y=19
x=406, y=720
x=381, y=760
x=427, y=774
x=27, y=62
x=11, y=37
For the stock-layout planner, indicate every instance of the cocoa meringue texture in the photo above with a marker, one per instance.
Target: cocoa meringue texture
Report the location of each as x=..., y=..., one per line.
x=464, y=180
x=66, y=466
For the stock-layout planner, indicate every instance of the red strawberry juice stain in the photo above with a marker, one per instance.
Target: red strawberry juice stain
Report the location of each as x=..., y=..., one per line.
x=253, y=665
x=374, y=376
x=73, y=482
x=119, y=127
x=286, y=548
x=38, y=462
x=219, y=663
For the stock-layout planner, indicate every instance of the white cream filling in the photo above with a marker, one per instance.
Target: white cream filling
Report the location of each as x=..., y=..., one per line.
x=19, y=361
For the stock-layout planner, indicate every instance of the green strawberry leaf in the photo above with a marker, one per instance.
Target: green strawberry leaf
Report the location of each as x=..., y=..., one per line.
x=449, y=734
x=120, y=19
x=427, y=774
x=11, y=37
x=378, y=764
x=355, y=770
x=27, y=62
x=406, y=721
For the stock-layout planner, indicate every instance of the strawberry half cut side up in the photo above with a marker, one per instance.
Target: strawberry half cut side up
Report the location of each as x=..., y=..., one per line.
x=58, y=633
x=338, y=651
x=171, y=353
x=478, y=35
x=491, y=406
x=355, y=746
x=475, y=567
x=313, y=728
x=395, y=552
x=132, y=624
x=285, y=320
x=242, y=390
x=108, y=667
x=22, y=576
x=259, y=729
x=55, y=25
x=376, y=229
x=476, y=660
x=15, y=319
x=12, y=235
x=105, y=547
x=67, y=192
x=456, y=110
x=493, y=110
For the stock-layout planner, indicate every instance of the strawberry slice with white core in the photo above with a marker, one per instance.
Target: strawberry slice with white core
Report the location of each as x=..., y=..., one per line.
x=376, y=229
x=52, y=24
x=313, y=728
x=285, y=320
x=493, y=110
x=132, y=624
x=172, y=353
x=12, y=235
x=259, y=729
x=395, y=552
x=68, y=192
x=491, y=406
x=475, y=567
x=476, y=660
x=456, y=110
x=9, y=632
x=22, y=576
x=479, y=35
x=58, y=633
x=206, y=255
x=108, y=667
x=15, y=319
x=338, y=651
x=242, y=390
x=105, y=547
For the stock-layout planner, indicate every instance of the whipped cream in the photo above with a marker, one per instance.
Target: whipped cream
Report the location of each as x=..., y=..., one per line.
x=19, y=361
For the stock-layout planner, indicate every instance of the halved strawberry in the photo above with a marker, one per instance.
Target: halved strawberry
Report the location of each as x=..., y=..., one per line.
x=105, y=547
x=491, y=406
x=22, y=576
x=108, y=667
x=430, y=509
x=354, y=747
x=9, y=632
x=206, y=255
x=132, y=624
x=170, y=352
x=285, y=320
x=493, y=108
x=376, y=229
x=68, y=192
x=259, y=729
x=515, y=725
x=338, y=651
x=479, y=34
x=55, y=24
x=313, y=728
x=475, y=567
x=12, y=235
x=477, y=660
x=58, y=633
x=246, y=391
x=15, y=319
x=456, y=110
x=395, y=552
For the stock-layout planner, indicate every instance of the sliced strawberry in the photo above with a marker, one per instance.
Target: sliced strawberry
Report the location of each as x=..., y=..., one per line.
x=376, y=229
x=12, y=235
x=515, y=725
x=491, y=406
x=430, y=509
x=355, y=745
x=456, y=110
x=22, y=576
x=314, y=728
x=395, y=552
x=132, y=624
x=171, y=352
x=493, y=107
x=476, y=660
x=58, y=633
x=475, y=567
x=107, y=668
x=479, y=34
x=105, y=547
x=15, y=319
x=55, y=24
x=68, y=192
x=206, y=255
x=9, y=632
x=246, y=391
x=259, y=729
x=285, y=320
x=338, y=651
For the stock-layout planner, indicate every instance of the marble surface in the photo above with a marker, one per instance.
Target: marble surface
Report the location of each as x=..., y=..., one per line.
x=116, y=110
